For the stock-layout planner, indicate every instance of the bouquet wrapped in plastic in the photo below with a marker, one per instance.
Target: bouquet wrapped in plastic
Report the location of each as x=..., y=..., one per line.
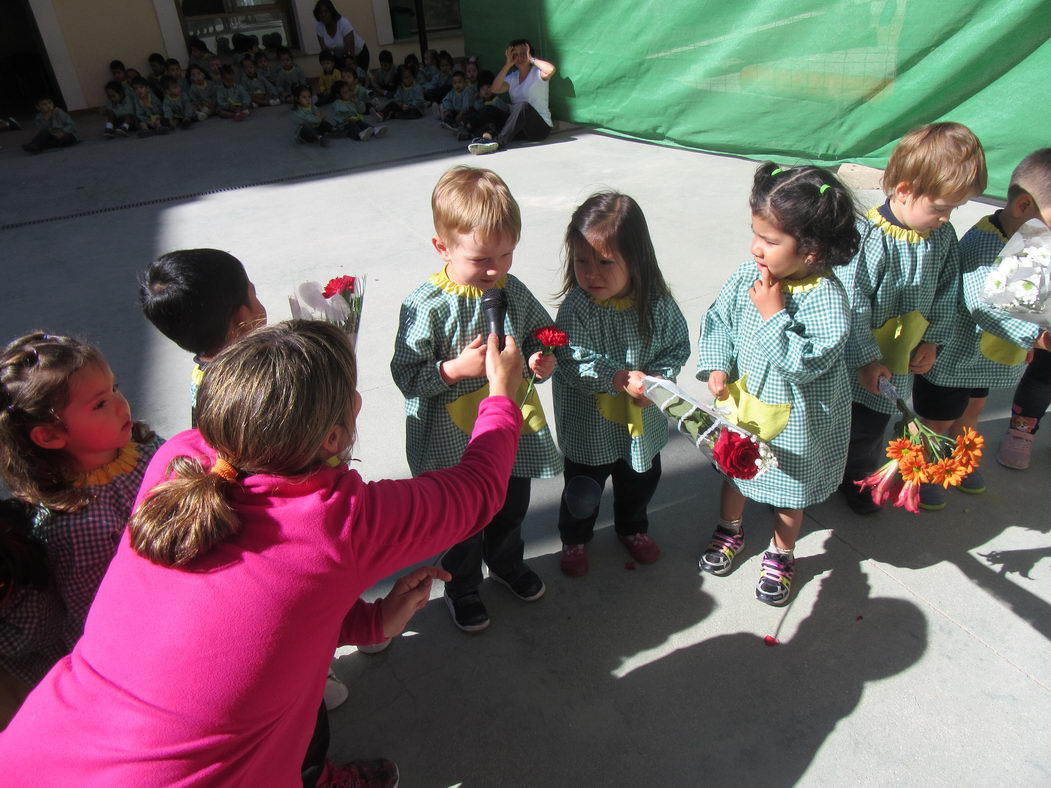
x=1020, y=282
x=736, y=452
x=339, y=302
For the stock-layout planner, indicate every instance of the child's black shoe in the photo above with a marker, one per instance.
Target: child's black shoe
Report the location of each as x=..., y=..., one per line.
x=525, y=584
x=859, y=501
x=468, y=612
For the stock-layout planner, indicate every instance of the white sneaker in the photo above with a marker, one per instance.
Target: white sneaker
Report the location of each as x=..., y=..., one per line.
x=480, y=146
x=336, y=692
x=379, y=131
x=365, y=134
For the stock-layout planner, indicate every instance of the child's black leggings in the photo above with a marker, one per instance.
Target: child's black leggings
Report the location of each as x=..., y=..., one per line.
x=1033, y=394
x=45, y=139
x=632, y=492
x=314, y=133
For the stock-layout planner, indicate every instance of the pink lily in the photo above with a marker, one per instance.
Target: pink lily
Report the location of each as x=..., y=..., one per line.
x=909, y=497
x=884, y=483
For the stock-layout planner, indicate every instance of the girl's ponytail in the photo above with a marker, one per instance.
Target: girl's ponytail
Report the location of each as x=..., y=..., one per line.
x=185, y=516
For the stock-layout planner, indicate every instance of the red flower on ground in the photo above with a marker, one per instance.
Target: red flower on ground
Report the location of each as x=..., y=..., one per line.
x=549, y=337
x=736, y=455
x=341, y=284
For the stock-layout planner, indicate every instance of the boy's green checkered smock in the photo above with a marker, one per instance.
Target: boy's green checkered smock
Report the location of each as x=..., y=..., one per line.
x=793, y=364
x=438, y=320
x=988, y=347
x=598, y=424
x=902, y=287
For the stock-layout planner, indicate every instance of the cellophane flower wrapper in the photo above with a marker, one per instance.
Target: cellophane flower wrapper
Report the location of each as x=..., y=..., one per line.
x=342, y=309
x=701, y=421
x=1020, y=282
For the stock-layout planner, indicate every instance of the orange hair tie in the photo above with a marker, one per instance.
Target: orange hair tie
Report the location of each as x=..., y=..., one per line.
x=224, y=470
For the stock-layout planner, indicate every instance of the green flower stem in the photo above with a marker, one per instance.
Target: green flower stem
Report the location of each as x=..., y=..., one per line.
x=547, y=351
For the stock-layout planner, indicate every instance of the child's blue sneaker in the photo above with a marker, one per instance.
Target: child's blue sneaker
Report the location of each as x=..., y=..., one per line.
x=775, y=578
x=973, y=483
x=932, y=497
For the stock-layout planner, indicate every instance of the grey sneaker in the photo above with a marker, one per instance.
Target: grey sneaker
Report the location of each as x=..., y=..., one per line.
x=480, y=146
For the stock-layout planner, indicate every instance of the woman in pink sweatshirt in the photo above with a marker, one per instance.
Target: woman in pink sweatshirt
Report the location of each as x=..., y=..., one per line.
x=204, y=656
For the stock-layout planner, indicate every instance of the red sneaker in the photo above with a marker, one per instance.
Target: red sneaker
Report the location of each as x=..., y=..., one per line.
x=642, y=548
x=574, y=560
x=378, y=773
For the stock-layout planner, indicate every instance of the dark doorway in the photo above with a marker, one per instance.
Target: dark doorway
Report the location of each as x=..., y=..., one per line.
x=25, y=72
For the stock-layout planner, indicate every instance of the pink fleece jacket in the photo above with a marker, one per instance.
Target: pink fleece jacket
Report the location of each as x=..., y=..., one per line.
x=212, y=675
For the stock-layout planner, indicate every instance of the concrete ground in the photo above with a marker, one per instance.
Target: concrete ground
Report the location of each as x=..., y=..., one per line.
x=914, y=651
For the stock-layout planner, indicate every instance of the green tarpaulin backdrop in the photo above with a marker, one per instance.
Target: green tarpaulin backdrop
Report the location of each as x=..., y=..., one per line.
x=824, y=82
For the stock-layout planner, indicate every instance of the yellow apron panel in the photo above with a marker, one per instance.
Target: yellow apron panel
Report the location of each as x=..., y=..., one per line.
x=898, y=337
x=762, y=419
x=621, y=409
x=463, y=412
x=1000, y=350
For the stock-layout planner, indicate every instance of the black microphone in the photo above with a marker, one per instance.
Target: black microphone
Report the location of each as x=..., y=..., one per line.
x=494, y=307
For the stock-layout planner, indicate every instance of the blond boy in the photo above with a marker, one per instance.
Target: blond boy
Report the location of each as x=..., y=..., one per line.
x=439, y=365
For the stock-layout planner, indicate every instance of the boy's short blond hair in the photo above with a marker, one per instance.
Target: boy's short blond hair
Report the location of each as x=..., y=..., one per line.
x=937, y=160
x=472, y=200
x=1033, y=176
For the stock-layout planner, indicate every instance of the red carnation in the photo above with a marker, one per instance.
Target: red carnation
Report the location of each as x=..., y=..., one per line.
x=736, y=455
x=341, y=284
x=549, y=337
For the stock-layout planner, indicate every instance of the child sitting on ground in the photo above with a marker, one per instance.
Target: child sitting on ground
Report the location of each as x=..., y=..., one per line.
x=987, y=349
x=385, y=79
x=118, y=73
x=348, y=112
x=903, y=285
x=201, y=92
x=439, y=365
x=156, y=63
x=456, y=104
x=246, y=533
x=231, y=99
x=215, y=69
x=621, y=323
x=429, y=69
x=772, y=349
x=330, y=75
x=174, y=70
x=57, y=129
x=436, y=88
x=259, y=88
x=177, y=109
x=199, y=54
x=287, y=77
x=489, y=111
x=149, y=110
x=311, y=123
x=472, y=70
x=69, y=447
x=407, y=103
x=119, y=111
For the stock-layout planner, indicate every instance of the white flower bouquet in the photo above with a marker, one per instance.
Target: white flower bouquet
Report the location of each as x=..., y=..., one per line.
x=339, y=303
x=736, y=452
x=1020, y=282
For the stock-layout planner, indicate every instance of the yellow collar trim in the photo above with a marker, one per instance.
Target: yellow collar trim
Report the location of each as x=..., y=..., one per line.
x=126, y=461
x=801, y=285
x=443, y=282
x=898, y=233
x=986, y=225
x=620, y=304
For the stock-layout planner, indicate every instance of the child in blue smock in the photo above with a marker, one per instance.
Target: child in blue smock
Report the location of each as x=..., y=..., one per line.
x=771, y=350
x=621, y=323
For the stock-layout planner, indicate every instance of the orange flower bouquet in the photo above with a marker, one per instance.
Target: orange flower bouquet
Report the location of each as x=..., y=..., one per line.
x=920, y=456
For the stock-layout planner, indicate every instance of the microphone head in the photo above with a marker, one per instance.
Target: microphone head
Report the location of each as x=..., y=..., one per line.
x=494, y=298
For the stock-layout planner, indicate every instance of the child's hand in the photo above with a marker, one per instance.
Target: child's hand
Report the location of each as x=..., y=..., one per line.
x=717, y=384
x=870, y=374
x=409, y=594
x=469, y=364
x=542, y=366
x=633, y=387
x=766, y=295
x=503, y=367
x=923, y=358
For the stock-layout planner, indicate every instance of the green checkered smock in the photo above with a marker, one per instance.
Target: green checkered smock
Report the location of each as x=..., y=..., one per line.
x=902, y=287
x=202, y=95
x=438, y=320
x=988, y=348
x=794, y=377
x=598, y=424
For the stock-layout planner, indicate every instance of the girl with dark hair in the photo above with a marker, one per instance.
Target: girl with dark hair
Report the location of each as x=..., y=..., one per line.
x=204, y=659
x=335, y=32
x=622, y=324
x=771, y=350
x=525, y=78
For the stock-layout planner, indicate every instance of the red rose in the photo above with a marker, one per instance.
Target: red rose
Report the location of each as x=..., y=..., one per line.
x=736, y=455
x=340, y=284
x=549, y=336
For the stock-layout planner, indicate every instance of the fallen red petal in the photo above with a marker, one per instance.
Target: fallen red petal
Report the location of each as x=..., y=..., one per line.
x=770, y=640
x=858, y=618
x=629, y=564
